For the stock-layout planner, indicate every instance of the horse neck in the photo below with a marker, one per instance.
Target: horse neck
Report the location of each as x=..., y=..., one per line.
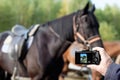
x=64, y=27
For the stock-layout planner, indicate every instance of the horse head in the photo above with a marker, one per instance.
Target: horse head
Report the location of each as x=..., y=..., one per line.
x=86, y=27
x=86, y=31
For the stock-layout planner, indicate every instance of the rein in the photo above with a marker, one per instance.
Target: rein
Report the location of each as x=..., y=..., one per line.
x=86, y=42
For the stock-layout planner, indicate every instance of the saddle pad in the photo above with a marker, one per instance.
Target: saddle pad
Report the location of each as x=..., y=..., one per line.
x=6, y=44
x=12, y=46
x=9, y=45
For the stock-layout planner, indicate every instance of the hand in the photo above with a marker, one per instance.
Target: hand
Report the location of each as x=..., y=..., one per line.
x=105, y=61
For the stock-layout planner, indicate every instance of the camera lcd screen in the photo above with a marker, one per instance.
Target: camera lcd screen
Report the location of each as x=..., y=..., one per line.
x=83, y=58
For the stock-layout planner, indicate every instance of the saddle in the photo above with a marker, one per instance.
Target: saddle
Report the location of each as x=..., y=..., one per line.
x=19, y=41
x=19, y=30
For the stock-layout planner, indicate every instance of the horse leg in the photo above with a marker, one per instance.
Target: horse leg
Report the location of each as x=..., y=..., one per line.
x=2, y=74
x=65, y=67
x=7, y=76
x=35, y=78
x=64, y=71
x=96, y=75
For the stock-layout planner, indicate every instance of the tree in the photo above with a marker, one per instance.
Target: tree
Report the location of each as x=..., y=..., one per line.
x=27, y=12
x=111, y=17
x=107, y=32
x=70, y=6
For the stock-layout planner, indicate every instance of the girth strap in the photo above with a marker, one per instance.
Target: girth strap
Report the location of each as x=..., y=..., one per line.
x=28, y=42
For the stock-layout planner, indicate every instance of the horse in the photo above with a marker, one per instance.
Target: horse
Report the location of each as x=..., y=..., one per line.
x=41, y=61
x=112, y=48
x=49, y=46
x=88, y=21
x=69, y=58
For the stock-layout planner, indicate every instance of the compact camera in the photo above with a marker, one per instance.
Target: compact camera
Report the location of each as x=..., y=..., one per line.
x=87, y=57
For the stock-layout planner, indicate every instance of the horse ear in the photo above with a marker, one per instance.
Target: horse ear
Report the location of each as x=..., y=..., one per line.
x=86, y=8
x=93, y=8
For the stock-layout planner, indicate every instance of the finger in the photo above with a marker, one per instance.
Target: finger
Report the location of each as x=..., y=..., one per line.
x=92, y=66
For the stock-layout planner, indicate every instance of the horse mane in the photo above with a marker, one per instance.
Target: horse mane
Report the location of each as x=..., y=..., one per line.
x=93, y=19
x=61, y=25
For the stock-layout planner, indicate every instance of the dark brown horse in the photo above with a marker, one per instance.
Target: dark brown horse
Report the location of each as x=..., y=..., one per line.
x=47, y=56
x=44, y=58
x=70, y=58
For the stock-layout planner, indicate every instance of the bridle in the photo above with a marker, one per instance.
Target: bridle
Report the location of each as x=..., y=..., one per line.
x=86, y=42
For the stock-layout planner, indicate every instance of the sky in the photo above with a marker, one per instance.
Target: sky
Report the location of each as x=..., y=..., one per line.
x=102, y=3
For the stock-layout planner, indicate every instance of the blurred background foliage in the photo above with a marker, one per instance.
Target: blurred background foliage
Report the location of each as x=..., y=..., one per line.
x=29, y=12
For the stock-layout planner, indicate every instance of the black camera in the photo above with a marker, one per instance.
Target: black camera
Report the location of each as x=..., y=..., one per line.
x=87, y=57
